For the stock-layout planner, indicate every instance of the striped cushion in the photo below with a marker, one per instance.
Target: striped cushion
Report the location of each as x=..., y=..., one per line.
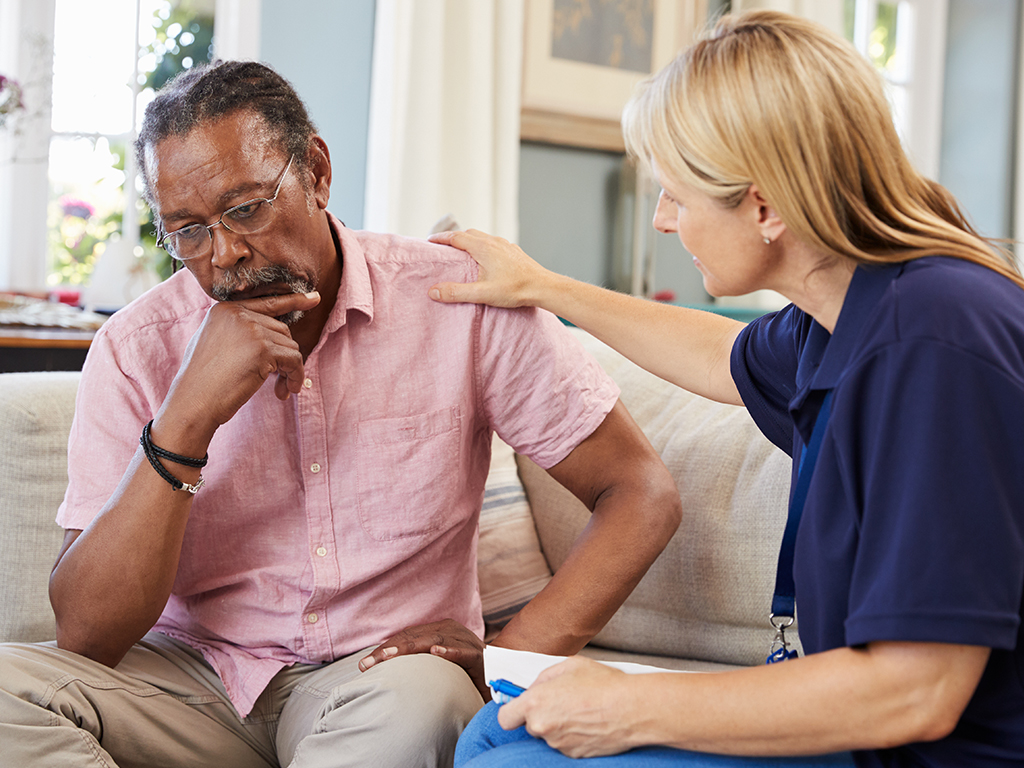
x=511, y=567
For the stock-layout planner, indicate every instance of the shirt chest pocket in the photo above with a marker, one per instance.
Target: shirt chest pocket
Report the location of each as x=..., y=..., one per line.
x=407, y=473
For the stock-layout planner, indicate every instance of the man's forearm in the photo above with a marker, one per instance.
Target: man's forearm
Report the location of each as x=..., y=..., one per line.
x=629, y=528
x=111, y=581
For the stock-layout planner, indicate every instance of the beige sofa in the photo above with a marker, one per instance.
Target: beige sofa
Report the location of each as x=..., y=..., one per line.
x=702, y=605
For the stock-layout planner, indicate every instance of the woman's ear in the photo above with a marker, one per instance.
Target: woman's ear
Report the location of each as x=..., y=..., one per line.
x=320, y=167
x=769, y=225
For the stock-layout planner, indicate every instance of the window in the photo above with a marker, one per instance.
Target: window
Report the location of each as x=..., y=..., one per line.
x=109, y=57
x=905, y=40
x=879, y=30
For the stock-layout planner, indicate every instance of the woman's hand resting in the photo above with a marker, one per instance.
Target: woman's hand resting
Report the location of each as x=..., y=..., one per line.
x=508, y=277
x=579, y=707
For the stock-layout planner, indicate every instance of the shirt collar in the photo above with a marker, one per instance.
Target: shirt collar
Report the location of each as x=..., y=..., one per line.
x=355, y=291
x=826, y=356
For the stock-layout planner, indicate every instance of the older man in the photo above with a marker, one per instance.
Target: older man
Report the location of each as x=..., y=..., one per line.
x=308, y=597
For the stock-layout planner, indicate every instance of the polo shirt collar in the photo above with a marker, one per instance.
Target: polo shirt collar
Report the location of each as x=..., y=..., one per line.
x=826, y=356
x=355, y=291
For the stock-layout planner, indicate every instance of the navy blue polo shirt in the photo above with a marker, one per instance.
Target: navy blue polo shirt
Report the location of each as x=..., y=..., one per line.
x=913, y=529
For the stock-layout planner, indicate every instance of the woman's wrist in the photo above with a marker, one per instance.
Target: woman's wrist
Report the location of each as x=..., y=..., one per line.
x=550, y=291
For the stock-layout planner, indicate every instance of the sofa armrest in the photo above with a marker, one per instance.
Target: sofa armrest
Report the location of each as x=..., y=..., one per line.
x=36, y=410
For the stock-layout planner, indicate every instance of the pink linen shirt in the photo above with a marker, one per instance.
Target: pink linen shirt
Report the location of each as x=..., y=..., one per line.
x=340, y=516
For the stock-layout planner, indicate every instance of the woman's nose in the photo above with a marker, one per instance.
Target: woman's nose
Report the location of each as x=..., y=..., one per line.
x=665, y=215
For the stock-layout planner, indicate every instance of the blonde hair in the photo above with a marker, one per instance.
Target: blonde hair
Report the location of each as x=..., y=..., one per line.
x=774, y=100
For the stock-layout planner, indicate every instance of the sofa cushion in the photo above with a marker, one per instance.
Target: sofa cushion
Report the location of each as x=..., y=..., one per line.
x=708, y=595
x=35, y=419
x=511, y=567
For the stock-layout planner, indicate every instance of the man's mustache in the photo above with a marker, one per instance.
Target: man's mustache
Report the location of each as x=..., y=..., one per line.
x=252, y=278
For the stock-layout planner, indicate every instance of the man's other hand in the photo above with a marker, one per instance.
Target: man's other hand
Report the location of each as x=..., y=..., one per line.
x=447, y=639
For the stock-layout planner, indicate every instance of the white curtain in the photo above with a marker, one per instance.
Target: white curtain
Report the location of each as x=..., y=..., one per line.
x=238, y=29
x=444, y=116
x=26, y=54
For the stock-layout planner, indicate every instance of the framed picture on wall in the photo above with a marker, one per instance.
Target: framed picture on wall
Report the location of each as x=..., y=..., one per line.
x=583, y=58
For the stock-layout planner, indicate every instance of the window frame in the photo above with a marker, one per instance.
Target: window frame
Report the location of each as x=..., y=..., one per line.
x=26, y=54
x=923, y=31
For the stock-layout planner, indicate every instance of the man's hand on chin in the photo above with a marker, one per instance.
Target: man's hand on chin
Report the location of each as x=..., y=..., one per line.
x=237, y=348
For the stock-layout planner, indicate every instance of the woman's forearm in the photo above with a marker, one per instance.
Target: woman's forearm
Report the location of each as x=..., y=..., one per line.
x=689, y=347
x=885, y=695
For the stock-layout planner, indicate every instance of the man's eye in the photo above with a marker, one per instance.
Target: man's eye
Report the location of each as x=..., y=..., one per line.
x=191, y=232
x=245, y=210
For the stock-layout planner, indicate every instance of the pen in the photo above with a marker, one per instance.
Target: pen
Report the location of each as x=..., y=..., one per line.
x=504, y=690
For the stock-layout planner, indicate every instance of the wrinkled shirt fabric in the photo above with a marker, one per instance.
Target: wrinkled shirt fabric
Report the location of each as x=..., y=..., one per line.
x=344, y=514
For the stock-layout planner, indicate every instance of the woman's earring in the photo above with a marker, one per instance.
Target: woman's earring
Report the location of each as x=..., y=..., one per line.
x=767, y=241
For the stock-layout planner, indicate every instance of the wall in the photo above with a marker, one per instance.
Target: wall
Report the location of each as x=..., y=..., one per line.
x=979, y=111
x=325, y=49
x=567, y=201
x=569, y=221
x=568, y=197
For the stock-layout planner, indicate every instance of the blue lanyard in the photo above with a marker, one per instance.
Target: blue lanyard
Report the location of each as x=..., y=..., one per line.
x=784, y=601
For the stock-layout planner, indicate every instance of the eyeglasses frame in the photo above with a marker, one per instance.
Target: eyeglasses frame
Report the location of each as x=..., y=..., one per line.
x=161, y=242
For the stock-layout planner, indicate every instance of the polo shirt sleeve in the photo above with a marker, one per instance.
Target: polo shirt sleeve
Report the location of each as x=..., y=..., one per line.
x=930, y=437
x=764, y=360
x=540, y=390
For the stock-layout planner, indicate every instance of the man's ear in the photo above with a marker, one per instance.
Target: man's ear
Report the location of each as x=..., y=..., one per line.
x=319, y=163
x=769, y=224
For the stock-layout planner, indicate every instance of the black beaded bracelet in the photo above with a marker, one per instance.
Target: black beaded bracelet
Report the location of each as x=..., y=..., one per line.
x=154, y=453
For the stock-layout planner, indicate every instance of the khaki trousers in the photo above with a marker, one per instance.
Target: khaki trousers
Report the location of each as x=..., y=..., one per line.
x=163, y=706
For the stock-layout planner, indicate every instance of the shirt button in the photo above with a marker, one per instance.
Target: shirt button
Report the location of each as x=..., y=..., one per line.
x=321, y=551
x=315, y=468
x=312, y=618
x=307, y=383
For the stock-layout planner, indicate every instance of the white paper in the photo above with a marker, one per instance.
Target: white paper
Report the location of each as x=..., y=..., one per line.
x=522, y=667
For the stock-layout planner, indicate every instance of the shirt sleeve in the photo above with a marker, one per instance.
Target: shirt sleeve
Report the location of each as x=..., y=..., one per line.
x=764, y=362
x=541, y=391
x=125, y=380
x=110, y=408
x=933, y=442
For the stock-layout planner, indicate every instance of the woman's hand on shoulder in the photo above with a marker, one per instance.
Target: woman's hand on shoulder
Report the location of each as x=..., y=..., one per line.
x=508, y=277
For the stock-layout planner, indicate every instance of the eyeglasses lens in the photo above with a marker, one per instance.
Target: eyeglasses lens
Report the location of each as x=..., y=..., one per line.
x=245, y=219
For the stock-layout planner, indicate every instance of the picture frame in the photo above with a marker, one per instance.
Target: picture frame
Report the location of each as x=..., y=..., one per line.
x=574, y=101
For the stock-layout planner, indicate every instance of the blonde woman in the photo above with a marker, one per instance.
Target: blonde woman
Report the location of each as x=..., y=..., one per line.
x=780, y=168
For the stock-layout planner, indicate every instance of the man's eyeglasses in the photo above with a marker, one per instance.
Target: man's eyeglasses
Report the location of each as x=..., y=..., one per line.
x=247, y=218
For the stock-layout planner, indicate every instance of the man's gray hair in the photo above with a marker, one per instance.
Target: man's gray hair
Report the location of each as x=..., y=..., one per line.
x=208, y=92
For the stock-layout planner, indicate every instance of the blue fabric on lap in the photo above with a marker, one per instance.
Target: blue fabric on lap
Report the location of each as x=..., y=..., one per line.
x=484, y=744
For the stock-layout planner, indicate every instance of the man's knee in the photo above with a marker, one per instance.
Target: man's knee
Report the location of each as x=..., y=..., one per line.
x=24, y=670
x=407, y=711
x=423, y=697
x=30, y=707
x=425, y=674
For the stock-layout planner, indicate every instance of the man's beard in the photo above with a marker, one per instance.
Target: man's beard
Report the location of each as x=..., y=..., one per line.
x=249, y=278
